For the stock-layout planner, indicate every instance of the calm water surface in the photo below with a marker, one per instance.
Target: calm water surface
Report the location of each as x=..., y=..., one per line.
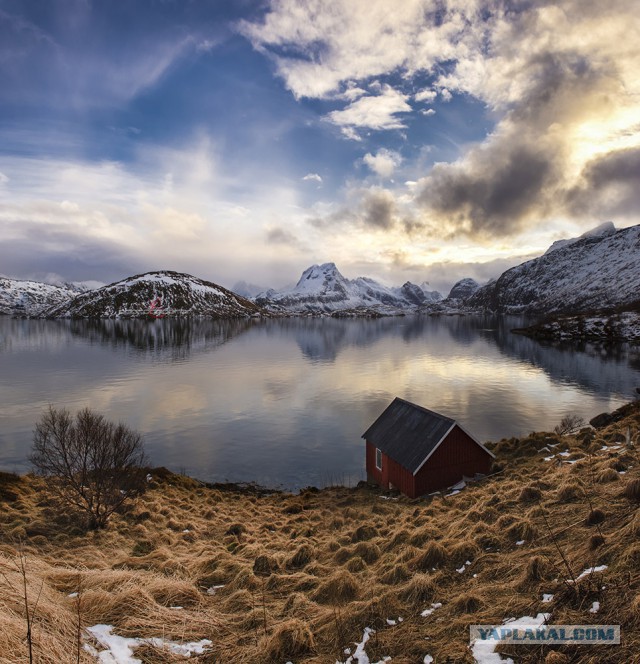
x=285, y=402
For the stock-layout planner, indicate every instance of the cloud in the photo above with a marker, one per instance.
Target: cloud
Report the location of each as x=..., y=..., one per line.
x=492, y=191
x=608, y=186
x=378, y=209
x=426, y=95
x=3, y=178
x=319, y=44
x=63, y=69
x=560, y=81
x=383, y=163
x=312, y=177
x=374, y=111
x=282, y=236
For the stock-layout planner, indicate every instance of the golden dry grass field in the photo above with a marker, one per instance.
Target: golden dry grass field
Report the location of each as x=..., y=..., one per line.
x=301, y=576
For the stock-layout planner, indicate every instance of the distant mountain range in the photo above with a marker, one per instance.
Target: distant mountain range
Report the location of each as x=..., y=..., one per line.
x=322, y=289
x=156, y=295
x=598, y=272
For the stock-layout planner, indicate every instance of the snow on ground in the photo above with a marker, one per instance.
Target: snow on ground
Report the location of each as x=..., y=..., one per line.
x=120, y=649
x=546, y=598
x=595, y=607
x=428, y=612
x=484, y=651
x=360, y=656
x=589, y=571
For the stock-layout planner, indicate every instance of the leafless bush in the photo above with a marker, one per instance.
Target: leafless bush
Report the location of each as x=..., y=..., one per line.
x=92, y=465
x=569, y=424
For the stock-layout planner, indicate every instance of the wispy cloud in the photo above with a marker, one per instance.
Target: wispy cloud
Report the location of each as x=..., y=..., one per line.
x=382, y=111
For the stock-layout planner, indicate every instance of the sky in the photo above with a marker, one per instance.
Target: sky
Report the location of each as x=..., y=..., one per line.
x=422, y=140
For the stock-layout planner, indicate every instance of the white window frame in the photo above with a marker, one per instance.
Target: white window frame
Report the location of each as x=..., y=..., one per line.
x=378, y=457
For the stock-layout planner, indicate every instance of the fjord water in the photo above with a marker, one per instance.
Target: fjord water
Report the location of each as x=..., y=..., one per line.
x=284, y=402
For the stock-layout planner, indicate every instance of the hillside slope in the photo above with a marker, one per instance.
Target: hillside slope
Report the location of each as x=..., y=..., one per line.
x=20, y=297
x=593, y=273
x=273, y=577
x=157, y=294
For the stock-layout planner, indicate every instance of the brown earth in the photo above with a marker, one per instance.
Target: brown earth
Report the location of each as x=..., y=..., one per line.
x=303, y=575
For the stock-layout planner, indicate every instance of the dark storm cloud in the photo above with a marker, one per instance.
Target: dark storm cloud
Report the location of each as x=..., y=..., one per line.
x=493, y=192
x=609, y=185
x=378, y=209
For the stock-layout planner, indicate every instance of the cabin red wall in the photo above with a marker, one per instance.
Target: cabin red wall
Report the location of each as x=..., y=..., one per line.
x=456, y=456
x=392, y=473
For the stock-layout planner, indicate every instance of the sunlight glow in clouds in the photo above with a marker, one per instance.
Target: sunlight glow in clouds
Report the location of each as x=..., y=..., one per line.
x=192, y=137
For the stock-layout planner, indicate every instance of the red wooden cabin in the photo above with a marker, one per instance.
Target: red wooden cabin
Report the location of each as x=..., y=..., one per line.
x=417, y=451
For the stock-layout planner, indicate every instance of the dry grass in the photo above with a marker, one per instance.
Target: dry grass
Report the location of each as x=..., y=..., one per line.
x=302, y=576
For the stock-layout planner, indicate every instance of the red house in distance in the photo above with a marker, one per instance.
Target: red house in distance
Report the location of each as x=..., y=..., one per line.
x=417, y=451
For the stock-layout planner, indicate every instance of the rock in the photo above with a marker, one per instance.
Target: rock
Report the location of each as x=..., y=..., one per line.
x=601, y=421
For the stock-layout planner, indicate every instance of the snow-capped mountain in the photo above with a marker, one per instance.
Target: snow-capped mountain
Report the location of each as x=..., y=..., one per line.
x=463, y=289
x=607, y=228
x=598, y=271
x=157, y=294
x=322, y=289
x=20, y=297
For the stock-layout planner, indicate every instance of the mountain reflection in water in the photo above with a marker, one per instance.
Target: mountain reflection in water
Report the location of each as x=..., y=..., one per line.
x=284, y=402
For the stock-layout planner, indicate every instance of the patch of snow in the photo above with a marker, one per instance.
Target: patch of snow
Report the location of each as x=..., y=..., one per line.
x=214, y=589
x=546, y=598
x=428, y=612
x=427, y=659
x=595, y=607
x=484, y=651
x=120, y=649
x=519, y=542
x=588, y=571
x=464, y=567
x=360, y=656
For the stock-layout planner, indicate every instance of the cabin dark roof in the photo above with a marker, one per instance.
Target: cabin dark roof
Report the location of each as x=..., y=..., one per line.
x=408, y=433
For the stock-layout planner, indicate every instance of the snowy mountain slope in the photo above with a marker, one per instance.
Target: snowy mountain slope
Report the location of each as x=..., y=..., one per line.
x=157, y=294
x=607, y=228
x=596, y=272
x=19, y=297
x=463, y=289
x=323, y=289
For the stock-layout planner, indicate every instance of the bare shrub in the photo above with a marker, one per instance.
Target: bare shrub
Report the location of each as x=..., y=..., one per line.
x=569, y=424
x=92, y=465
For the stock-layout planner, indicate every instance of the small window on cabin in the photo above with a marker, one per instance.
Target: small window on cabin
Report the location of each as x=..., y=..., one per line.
x=378, y=459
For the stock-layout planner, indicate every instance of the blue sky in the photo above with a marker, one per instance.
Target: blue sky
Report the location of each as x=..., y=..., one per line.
x=426, y=140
